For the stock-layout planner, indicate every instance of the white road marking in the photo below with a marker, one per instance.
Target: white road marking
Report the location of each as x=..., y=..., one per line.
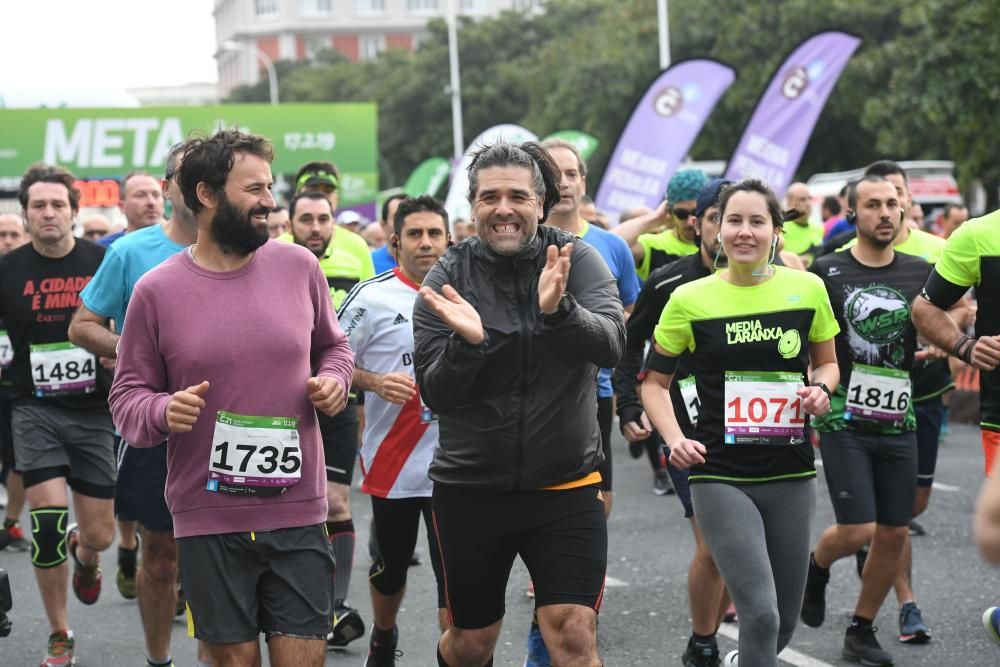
x=790, y=656
x=946, y=487
x=611, y=582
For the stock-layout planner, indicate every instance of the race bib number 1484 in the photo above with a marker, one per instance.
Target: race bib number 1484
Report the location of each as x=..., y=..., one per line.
x=62, y=368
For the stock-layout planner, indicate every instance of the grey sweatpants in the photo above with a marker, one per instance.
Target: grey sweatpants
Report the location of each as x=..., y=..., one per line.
x=759, y=537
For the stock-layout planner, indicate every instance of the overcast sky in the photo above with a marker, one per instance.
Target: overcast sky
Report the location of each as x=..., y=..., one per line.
x=88, y=52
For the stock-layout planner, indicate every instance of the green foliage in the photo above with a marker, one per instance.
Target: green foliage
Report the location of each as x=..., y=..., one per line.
x=923, y=84
x=944, y=89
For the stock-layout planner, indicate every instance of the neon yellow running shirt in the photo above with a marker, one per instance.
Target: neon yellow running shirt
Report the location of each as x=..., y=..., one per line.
x=747, y=342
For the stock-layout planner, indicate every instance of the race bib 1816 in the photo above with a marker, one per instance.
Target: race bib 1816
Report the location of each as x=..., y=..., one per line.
x=762, y=408
x=254, y=456
x=877, y=394
x=62, y=368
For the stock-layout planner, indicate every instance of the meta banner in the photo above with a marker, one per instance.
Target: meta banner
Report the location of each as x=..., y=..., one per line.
x=776, y=136
x=109, y=143
x=659, y=134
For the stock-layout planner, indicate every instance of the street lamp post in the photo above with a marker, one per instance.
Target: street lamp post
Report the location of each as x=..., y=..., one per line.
x=456, y=84
x=664, y=27
x=272, y=75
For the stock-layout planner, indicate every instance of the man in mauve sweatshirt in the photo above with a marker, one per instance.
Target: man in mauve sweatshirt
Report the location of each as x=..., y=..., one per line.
x=228, y=350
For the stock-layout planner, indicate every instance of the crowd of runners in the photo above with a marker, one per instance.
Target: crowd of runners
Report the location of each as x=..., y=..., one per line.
x=204, y=386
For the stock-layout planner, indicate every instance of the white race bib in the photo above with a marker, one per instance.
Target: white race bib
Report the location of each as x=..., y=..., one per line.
x=879, y=394
x=254, y=456
x=62, y=368
x=689, y=392
x=762, y=408
x=6, y=350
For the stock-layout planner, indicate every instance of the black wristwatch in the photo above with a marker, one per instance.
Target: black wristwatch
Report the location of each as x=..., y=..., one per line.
x=561, y=311
x=826, y=390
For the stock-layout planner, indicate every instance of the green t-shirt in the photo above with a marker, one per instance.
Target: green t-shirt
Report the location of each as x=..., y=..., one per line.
x=800, y=239
x=971, y=257
x=975, y=243
x=660, y=249
x=346, y=262
x=919, y=243
x=924, y=245
x=746, y=342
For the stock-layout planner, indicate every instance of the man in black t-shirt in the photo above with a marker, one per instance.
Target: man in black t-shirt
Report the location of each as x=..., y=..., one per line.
x=12, y=235
x=868, y=439
x=62, y=427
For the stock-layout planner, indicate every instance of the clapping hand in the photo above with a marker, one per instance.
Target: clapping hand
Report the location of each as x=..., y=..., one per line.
x=456, y=312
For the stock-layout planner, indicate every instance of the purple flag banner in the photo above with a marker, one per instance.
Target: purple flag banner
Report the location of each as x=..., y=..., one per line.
x=659, y=134
x=776, y=136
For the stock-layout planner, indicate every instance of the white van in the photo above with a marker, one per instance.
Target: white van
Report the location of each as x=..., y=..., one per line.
x=932, y=185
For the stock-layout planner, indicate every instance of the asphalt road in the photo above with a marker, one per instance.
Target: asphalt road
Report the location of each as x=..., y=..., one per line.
x=644, y=620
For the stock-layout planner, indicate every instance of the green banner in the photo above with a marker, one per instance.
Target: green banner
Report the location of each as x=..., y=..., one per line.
x=584, y=142
x=428, y=177
x=108, y=143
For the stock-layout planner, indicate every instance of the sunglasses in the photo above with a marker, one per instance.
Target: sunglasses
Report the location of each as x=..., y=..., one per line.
x=682, y=213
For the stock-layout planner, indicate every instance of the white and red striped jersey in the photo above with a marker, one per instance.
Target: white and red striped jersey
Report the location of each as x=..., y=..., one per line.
x=399, y=440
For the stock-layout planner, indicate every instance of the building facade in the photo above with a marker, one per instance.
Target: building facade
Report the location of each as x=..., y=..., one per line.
x=300, y=29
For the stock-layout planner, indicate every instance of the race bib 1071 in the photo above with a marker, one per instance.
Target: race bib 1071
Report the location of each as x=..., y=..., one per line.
x=762, y=408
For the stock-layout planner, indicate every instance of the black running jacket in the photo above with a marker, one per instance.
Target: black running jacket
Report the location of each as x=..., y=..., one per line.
x=518, y=411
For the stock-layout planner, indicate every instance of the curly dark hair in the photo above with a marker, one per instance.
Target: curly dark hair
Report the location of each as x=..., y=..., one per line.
x=545, y=172
x=48, y=173
x=210, y=159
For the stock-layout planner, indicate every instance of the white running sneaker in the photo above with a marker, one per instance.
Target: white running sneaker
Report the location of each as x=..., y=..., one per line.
x=732, y=659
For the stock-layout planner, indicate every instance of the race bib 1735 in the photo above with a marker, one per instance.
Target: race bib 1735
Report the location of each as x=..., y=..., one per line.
x=254, y=456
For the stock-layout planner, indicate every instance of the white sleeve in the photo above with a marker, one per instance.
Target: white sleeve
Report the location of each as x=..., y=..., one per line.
x=356, y=321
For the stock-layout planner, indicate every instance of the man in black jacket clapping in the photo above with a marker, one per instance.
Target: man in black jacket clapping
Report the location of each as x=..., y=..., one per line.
x=510, y=329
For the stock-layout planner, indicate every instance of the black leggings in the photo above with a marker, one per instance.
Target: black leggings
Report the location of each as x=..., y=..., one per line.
x=397, y=521
x=605, y=416
x=6, y=440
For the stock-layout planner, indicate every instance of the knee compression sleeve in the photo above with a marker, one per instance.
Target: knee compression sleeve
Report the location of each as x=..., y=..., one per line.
x=48, y=536
x=386, y=580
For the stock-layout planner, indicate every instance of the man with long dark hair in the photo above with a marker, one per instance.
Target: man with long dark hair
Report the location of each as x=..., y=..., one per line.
x=510, y=329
